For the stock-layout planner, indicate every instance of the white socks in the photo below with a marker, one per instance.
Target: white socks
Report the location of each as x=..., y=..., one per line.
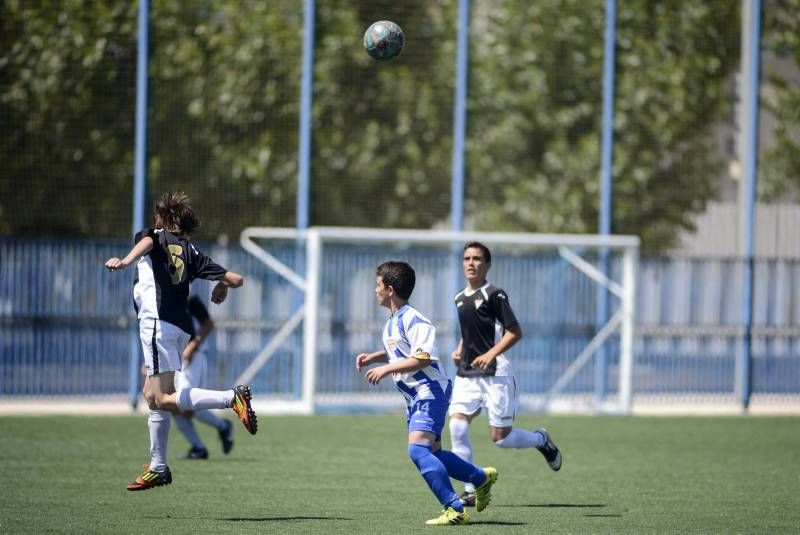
x=461, y=445
x=186, y=427
x=158, y=423
x=208, y=417
x=198, y=399
x=520, y=438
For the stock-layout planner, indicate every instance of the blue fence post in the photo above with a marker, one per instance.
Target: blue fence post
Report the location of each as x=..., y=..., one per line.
x=460, y=117
x=459, y=144
x=306, y=119
x=752, y=25
x=601, y=357
x=140, y=170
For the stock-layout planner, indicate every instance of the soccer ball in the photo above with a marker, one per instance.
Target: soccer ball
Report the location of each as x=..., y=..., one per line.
x=384, y=40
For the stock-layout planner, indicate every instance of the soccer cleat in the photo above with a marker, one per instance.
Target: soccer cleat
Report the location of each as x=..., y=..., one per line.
x=550, y=451
x=226, y=436
x=449, y=517
x=241, y=406
x=196, y=453
x=483, y=494
x=150, y=479
x=468, y=499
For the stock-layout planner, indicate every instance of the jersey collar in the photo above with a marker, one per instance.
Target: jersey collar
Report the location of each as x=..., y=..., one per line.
x=470, y=293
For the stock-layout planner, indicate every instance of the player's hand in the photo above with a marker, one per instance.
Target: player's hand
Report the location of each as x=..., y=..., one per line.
x=375, y=375
x=483, y=361
x=362, y=360
x=113, y=264
x=456, y=357
x=219, y=293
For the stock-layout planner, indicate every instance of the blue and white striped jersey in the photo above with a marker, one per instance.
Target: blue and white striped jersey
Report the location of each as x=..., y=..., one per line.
x=407, y=332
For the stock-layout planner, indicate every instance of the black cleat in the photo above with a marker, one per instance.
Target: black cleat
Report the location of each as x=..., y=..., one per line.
x=196, y=453
x=550, y=451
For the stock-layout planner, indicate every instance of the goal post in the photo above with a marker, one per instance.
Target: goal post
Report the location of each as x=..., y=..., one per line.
x=550, y=278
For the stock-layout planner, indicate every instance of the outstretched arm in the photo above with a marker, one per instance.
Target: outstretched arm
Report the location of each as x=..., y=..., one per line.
x=229, y=280
x=141, y=248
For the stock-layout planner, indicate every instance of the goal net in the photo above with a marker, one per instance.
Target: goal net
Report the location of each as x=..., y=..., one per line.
x=320, y=292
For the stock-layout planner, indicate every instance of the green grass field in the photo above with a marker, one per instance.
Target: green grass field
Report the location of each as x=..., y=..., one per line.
x=351, y=474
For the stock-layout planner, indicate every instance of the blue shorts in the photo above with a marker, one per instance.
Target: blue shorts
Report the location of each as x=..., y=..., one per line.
x=427, y=415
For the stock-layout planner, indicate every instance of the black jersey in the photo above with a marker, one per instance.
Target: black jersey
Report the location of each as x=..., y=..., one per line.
x=163, y=276
x=484, y=316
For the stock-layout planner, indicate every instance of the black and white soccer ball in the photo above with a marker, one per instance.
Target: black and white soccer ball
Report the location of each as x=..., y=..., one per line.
x=384, y=40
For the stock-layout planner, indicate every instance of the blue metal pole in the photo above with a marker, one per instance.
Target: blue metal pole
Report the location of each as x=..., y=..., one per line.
x=140, y=170
x=459, y=143
x=304, y=164
x=753, y=78
x=306, y=119
x=601, y=358
x=460, y=117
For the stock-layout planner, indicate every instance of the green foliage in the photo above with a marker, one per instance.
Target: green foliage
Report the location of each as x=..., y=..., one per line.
x=536, y=107
x=351, y=474
x=224, y=113
x=67, y=72
x=780, y=177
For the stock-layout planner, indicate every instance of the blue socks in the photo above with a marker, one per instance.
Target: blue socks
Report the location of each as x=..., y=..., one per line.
x=435, y=475
x=460, y=469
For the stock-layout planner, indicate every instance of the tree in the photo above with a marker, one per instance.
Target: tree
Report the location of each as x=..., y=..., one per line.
x=780, y=179
x=224, y=114
x=535, y=112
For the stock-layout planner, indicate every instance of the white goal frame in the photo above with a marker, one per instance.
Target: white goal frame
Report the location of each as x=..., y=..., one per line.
x=314, y=237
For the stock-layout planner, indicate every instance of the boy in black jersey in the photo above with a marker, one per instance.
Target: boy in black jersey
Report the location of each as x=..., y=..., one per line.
x=166, y=263
x=485, y=377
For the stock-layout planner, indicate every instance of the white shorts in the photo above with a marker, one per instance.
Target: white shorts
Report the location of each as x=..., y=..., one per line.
x=162, y=344
x=193, y=375
x=497, y=394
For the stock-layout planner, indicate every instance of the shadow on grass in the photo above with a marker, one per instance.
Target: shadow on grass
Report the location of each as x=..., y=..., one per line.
x=603, y=516
x=498, y=523
x=284, y=518
x=555, y=505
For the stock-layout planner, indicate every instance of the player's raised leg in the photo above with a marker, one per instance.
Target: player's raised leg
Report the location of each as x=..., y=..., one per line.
x=549, y=449
x=239, y=399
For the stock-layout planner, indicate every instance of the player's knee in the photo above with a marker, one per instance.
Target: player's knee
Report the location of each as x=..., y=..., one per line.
x=417, y=452
x=162, y=402
x=499, y=434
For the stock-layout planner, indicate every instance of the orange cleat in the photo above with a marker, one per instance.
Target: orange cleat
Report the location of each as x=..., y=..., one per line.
x=241, y=406
x=150, y=479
